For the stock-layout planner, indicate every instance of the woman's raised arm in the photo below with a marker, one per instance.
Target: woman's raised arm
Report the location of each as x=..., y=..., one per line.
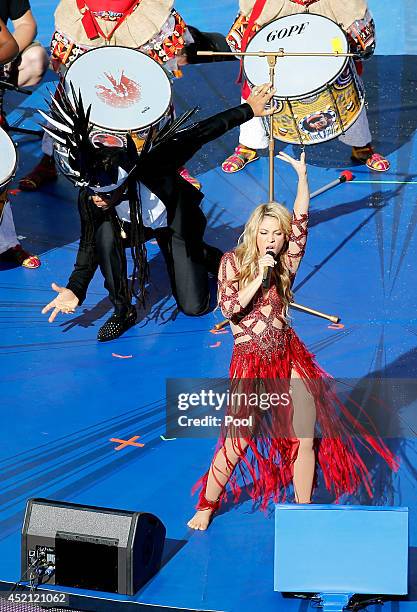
x=298, y=237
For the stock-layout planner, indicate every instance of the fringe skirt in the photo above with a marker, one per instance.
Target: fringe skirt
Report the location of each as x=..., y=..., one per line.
x=260, y=427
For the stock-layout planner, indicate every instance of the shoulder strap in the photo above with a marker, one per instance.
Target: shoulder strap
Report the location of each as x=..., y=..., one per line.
x=256, y=11
x=91, y=26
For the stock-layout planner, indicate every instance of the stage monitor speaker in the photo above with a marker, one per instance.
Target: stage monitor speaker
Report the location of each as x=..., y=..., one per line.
x=89, y=547
x=341, y=549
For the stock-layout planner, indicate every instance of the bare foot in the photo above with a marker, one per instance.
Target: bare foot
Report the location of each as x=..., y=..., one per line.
x=201, y=519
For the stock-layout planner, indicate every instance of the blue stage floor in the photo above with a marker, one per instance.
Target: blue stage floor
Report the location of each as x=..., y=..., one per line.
x=64, y=395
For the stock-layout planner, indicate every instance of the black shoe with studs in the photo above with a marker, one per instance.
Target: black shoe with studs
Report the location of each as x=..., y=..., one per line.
x=117, y=325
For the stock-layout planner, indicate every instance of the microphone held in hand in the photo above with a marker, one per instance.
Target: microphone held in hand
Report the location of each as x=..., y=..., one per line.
x=266, y=279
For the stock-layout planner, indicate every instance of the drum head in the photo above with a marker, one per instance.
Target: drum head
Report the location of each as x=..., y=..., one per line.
x=8, y=159
x=127, y=89
x=296, y=77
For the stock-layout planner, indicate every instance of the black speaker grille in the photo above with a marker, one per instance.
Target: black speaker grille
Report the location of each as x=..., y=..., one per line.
x=86, y=565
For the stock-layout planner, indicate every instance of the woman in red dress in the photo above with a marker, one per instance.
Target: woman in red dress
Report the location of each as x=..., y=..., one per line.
x=298, y=420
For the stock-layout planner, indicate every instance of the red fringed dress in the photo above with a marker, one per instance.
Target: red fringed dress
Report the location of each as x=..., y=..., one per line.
x=267, y=352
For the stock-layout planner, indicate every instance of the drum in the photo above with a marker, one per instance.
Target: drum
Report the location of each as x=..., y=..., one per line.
x=317, y=98
x=129, y=93
x=8, y=159
x=8, y=165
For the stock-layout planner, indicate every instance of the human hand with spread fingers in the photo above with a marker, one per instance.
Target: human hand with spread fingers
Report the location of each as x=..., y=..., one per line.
x=66, y=302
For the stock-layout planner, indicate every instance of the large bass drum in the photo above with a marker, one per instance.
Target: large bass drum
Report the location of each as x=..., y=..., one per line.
x=317, y=98
x=128, y=92
x=8, y=165
x=8, y=159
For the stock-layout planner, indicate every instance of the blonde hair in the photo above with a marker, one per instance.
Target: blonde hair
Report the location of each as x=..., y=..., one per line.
x=247, y=253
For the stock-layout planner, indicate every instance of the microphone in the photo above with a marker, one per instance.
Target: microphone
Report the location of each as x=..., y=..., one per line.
x=266, y=279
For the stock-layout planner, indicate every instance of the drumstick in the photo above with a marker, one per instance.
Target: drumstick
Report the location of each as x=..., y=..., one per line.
x=316, y=313
x=222, y=324
x=6, y=85
x=344, y=177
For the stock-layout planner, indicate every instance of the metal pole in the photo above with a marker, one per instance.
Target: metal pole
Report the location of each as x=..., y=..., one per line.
x=272, y=60
x=311, y=311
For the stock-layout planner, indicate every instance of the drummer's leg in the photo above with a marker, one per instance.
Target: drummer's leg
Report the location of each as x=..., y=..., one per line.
x=187, y=272
x=359, y=134
x=113, y=266
x=10, y=247
x=44, y=172
x=253, y=134
x=252, y=137
x=8, y=236
x=32, y=66
x=112, y=260
x=359, y=137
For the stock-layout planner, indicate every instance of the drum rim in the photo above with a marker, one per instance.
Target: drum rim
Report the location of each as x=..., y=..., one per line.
x=132, y=129
x=315, y=91
x=3, y=185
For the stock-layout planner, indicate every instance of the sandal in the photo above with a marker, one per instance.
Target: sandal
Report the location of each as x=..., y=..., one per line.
x=18, y=255
x=45, y=172
x=240, y=158
x=378, y=163
x=374, y=161
x=190, y=179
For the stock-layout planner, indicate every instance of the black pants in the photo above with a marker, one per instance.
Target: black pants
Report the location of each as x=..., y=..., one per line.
x=188, y=265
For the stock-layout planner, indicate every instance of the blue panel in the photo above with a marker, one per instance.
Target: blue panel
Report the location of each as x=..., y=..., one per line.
x=341, y=549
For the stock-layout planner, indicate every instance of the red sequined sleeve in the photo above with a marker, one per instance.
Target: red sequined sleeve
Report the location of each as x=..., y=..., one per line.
x=228, y=288
x=297, y=242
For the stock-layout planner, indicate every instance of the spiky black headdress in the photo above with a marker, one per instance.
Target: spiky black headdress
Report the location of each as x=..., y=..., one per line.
x=99, y=167
x=76, y=155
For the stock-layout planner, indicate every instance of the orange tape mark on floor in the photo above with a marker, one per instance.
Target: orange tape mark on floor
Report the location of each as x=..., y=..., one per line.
x=124, y=443
x=215, y=345
x=336, y=326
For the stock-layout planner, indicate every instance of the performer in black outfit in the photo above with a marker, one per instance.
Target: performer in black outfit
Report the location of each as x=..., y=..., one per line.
x=126, y=199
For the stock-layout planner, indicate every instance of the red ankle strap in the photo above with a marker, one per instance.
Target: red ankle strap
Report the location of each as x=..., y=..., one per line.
x=206, y=504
